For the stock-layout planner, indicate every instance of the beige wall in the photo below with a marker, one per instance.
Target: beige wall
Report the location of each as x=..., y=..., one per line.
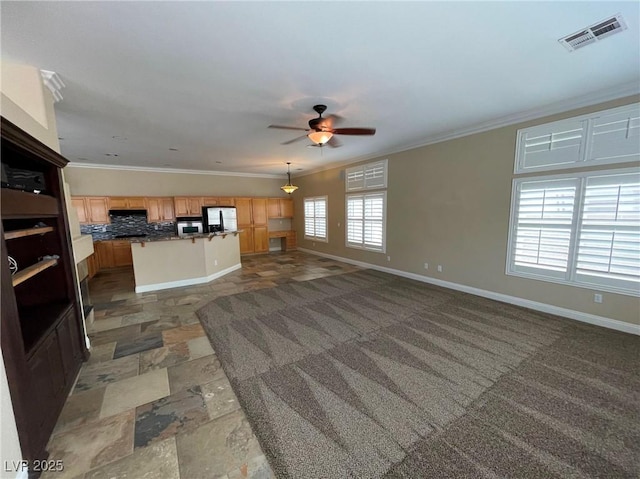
x=110, y=182
x=28, y=104
x=448, y=204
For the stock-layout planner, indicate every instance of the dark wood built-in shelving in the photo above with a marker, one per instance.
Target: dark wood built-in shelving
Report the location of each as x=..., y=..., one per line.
x=32, y=270
x=42, y=334
x=27, y=232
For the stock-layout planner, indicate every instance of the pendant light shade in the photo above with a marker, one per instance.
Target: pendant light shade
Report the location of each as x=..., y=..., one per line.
x=288, y=188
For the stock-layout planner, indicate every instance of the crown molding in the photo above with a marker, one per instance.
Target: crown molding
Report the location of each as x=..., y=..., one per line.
x=601, y=96
x=171, y=170
x=54, y=83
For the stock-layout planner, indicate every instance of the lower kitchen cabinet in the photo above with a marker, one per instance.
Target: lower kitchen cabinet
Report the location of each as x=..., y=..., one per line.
x=246, y=240
x=260, y=239
x=112, y=254
x=92, y=265
x=122, y=253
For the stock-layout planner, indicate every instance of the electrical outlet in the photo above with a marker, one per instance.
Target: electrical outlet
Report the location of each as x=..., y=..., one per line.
x=338, y=224
x=388, y=258
x=215, y=262
x=597, y=298
x=439, y=268
x=426, y=266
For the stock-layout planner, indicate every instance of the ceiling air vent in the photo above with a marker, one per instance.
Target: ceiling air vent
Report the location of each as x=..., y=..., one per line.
x=594, y=33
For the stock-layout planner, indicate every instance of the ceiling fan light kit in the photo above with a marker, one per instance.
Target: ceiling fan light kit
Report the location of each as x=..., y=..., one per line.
x=321, y=130
x=288, y=188
x=320, y=137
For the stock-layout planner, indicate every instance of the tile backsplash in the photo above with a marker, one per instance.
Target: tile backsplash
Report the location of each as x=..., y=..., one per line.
x=131, y=224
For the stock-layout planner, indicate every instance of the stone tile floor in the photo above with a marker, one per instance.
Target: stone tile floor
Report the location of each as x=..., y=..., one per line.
x=153, y=400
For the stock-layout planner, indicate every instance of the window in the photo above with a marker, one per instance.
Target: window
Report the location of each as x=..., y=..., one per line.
x=366, y=221
x=605, y=137
x=581, y=229
x=366, y=177
x=315, y=218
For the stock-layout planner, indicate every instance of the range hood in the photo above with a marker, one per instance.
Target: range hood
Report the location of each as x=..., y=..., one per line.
x=128, y=213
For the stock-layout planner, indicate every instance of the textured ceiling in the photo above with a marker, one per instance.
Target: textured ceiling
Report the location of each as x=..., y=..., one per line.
x=207, y=78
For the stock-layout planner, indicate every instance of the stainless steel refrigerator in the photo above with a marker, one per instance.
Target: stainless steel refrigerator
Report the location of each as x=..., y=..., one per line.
x=220, y=218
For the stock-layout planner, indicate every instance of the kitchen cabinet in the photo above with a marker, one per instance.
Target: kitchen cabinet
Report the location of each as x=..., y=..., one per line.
x=210, y=201
x=121, y=253
x=41, y=321
x=127, y=203
x=79, y=205
x=291, y=240
x=160, y=209
x=104, y=254
x=187, y=205
x=280, y=208
x=226, y=201
x=92, y=265
x=91, y=209
x=252, y=219
x=112, y=254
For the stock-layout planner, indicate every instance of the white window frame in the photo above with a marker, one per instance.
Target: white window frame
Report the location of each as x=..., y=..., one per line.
x=587, y=125
x=363, y=246
x=570, y=277
x=314, y=199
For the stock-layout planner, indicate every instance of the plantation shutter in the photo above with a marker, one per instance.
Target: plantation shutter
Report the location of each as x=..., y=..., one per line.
x=616, y=136
x=550, y=145
x=365, y=177
x=315, y=218
x=609, y=242
x=365, y=221
x=543, y=225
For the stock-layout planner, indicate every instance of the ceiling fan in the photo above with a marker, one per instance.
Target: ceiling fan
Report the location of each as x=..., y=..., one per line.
x=322, y=131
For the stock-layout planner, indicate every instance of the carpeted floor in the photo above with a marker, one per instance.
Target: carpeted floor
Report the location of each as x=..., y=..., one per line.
x=372, y=375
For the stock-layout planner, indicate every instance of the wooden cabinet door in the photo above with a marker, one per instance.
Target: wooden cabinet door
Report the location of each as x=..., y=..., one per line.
x=246, y=240
x=154, y=210
x=273, y=207
x=291, y=240
x=97, y=209
x=195, y=206
x=122, y=255
x=210, y=201
x=167, y=209
x=181, y=206
x=259, y=211
x=286, y=207
x=136, y=203
x=92, y=265
x=117, y=203
x=79, y=204
x=226, y=202
x=260, y=239
x=104, y=254
x=243, y=211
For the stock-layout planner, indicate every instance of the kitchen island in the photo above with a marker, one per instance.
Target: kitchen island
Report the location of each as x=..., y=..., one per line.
x=172, y=261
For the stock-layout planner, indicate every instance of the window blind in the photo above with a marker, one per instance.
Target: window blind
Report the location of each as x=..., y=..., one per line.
x=368, y=176
x=315, y=218
x=365, y=221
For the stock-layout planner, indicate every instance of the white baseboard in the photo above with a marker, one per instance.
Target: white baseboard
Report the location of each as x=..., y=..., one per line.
x=187, y=282
x=535, y=305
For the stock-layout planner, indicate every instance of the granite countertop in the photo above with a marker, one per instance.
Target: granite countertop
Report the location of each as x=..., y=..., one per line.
x=176, y=238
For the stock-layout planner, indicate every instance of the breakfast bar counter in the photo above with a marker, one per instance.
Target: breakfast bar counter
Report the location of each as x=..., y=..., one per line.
x=173, y=261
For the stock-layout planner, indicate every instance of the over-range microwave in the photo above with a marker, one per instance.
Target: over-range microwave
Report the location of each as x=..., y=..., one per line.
x=189, y=225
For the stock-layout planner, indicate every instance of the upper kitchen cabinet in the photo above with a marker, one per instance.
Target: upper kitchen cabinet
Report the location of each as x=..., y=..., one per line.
x=259, y=211
x=91, y=209
x=210, y=201
x=187, y=205
x=127, y=203
x=252, y=220
x=280, y=208
x=226, y=201
x=160, y=209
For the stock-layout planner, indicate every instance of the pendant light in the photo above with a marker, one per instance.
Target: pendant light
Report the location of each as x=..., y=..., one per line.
x=289, y=188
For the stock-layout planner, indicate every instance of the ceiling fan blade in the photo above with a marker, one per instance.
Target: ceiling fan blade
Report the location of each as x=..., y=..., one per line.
x=354, y=131
x=334, y=142
x=294, y=140
x=281, y=127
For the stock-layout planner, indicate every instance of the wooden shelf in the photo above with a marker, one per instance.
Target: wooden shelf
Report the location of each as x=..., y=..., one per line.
x=22, y=204
x=27, y=232
x=25, y=274
x=38, y=320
